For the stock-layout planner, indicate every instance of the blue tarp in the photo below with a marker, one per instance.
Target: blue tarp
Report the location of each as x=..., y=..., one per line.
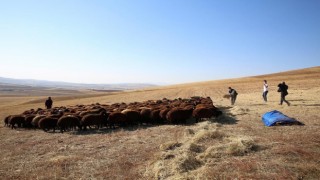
x=275, y=117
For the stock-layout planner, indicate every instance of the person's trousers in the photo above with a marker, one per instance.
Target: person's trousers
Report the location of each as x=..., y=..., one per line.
x=283, y=98
x=233, y=99
x=264, y=95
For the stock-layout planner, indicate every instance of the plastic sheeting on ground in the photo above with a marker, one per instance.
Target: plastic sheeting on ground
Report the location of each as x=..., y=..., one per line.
x=275, y=117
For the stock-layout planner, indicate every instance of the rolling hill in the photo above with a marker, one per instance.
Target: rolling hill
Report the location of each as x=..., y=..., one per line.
x=236, y=145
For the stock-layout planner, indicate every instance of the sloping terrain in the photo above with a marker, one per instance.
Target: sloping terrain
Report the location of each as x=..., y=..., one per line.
x=235, y=145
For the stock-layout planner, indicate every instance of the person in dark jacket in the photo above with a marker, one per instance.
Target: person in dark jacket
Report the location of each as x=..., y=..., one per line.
x=233, y=95
x=283, y=89
x=48, y=103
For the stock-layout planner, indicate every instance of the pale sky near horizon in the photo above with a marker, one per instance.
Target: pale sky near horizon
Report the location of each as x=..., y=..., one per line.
x=149, y=41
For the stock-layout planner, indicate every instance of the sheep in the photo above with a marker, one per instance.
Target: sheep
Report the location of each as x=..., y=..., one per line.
x=145, y=115
x=133, y=116
x=28, y=112
x=28, y=120
x=66, y=122
x=205, y=111
x=163, y=114
x=16, y=119
x=117, y=118
x=35, y=120
x=94, y=119
x=6, y=120
x=96, y=111
x=202, y=112
x=178, y=115
x=175, y=111
x=48, y=123
x=155, y=116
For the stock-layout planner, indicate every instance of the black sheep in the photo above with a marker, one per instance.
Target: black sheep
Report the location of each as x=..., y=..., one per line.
x=16, y=119
x=94, y=119
x=28, y=120
x=6, y=120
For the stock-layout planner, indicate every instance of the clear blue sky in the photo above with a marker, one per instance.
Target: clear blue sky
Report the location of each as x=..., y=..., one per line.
x=149, y=41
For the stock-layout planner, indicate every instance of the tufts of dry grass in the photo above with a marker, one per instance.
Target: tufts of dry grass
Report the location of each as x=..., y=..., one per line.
x=186, y=162
x=169, y=146
x=240, y=146
x=205, y=135
x=199, y=148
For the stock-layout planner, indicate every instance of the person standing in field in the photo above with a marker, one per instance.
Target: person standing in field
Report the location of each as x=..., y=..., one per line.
x=48, y=103
x=283, y=89
x=265, y=91
x=233, y=95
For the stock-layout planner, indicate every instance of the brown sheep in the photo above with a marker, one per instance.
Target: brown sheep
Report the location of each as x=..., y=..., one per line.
x=35, y=120
x=133, y=116
x=145, y=115
x=117, y=118
x=202, y=112
x=178, y=115
x=155, y=116
x=67, y=122
x=48, y=123
x=96, y=111
x=205, y=111
x=28, y=112
x=163, y=114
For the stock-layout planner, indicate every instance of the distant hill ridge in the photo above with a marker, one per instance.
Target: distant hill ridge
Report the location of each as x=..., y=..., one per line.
x=7, y=82
x=67, y=85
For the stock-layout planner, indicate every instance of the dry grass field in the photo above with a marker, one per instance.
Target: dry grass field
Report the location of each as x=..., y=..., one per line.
x=236, y=145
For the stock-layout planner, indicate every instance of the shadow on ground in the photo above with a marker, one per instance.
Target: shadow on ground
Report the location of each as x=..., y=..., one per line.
x=227, y=116
x=110, y=130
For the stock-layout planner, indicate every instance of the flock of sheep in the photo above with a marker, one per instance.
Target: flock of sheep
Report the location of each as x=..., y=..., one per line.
x=81, y=117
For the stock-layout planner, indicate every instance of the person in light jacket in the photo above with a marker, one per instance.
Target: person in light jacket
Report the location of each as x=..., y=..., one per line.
x=265, y=91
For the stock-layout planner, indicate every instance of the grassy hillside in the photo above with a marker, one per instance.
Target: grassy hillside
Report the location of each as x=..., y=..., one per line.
x=235, y=145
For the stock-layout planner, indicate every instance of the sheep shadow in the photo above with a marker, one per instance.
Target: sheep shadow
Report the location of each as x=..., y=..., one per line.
x=106, y=130
x=226, y=118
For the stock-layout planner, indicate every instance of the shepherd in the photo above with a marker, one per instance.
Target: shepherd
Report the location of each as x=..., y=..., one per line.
x=48, y=103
